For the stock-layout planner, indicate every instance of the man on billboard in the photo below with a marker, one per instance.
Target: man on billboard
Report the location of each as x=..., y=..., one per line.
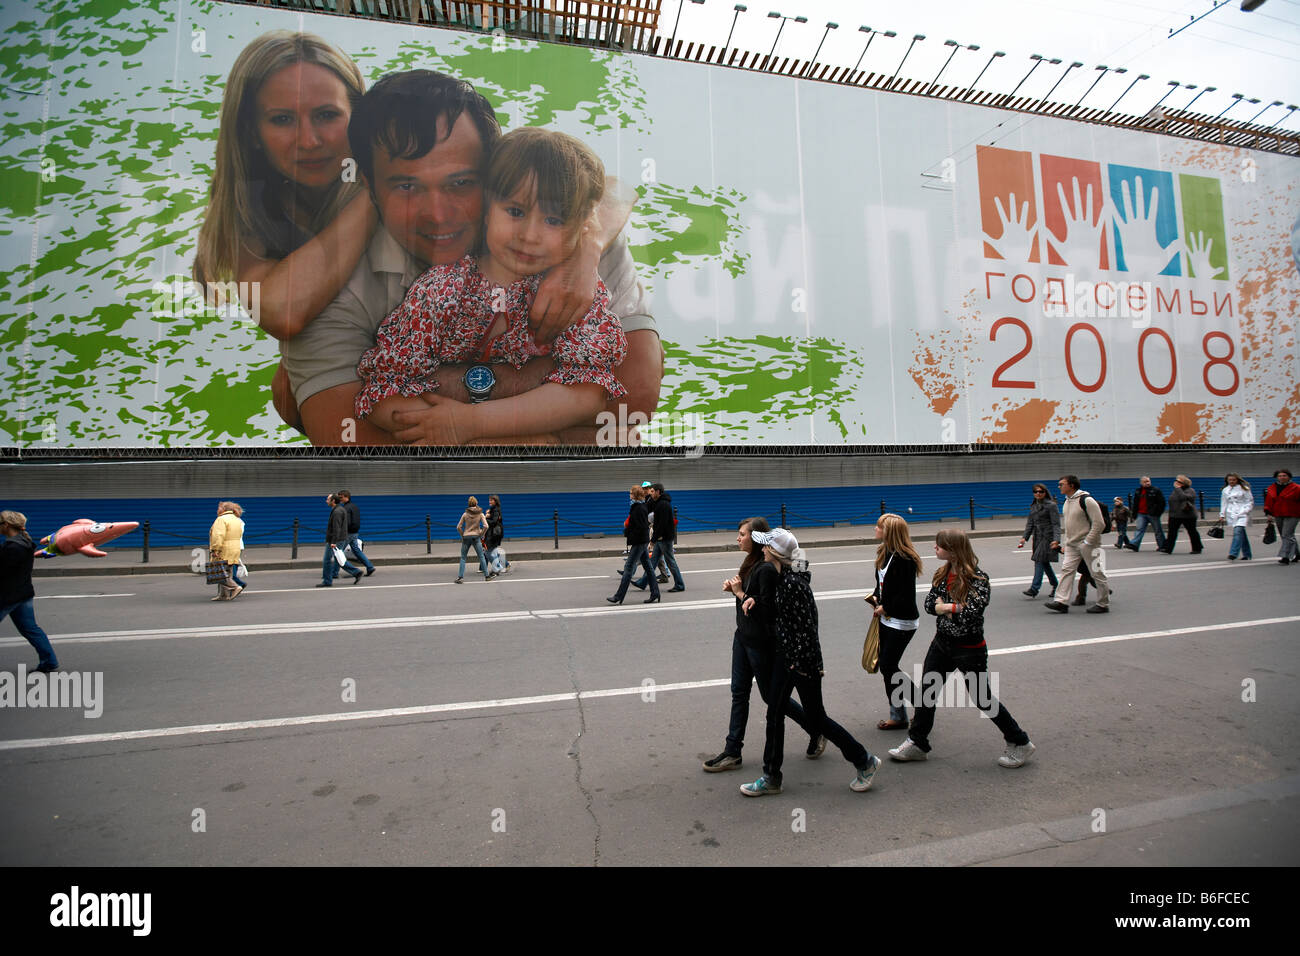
x=420, y=139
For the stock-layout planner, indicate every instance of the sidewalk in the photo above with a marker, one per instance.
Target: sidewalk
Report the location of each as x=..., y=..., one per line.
x=447, y=550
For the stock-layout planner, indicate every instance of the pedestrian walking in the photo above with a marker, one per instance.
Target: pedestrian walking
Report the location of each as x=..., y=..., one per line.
x=1282, y=504
x=656, y=559
x=354, y=531
x=1235, y=505
x=492, y=538
x=1119, y=516
x=1148, y=506
x=1043, y=525
x=470, y=527
x=226, y=543
x=798, y=666
x=753, y=649
x=336, y=535
x=637, y=531
x=959, y=593
x=1182, y=514
x=663, y=534
x=893, y=602
x=1082, y=526
x=17, y=555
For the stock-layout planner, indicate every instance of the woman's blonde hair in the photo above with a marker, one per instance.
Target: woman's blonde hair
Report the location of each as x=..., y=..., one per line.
x=1240, y=480
x=232, y=507
x=473, y=502
x=963, y=564
x=14, y=519
x=234, y=215
x=895, y=538
x=568, y=177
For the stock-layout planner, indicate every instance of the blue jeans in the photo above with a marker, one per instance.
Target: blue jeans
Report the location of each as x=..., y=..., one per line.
x=24, y=618
x=636, y=554
x=330, y=567
x=750, y=664
x=1041, y=568
x=663, y=551
x=1140, y=528
x=355, y=546
x=784, y=681
x=1240, y=543
x=240, y=582
x=477, y=545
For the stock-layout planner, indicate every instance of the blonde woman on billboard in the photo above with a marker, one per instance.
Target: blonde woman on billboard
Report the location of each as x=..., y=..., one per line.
x=285, y=210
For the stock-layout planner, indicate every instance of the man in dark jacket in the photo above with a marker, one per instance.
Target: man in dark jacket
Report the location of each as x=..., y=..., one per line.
x=16, y=592
x=1148, y=506
x=354, y=531
x=663, y=535
x=336, y=535
x=637, y=532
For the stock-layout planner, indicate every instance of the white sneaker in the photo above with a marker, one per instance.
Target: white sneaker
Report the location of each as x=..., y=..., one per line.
x=1017, y=756
x=908, y=750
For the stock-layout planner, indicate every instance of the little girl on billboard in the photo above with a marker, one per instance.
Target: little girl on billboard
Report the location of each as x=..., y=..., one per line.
x=540, y=188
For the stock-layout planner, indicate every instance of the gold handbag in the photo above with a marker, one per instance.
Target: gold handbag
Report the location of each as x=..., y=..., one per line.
x=871, y=647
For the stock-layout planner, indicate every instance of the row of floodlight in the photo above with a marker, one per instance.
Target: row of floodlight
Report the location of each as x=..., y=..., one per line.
x=1037, y=58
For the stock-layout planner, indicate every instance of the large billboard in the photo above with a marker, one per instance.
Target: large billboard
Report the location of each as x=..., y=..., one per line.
x=824, y=265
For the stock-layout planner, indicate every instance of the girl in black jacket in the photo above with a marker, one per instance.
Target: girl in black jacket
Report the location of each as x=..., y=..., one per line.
x=16, y=592
x=958, y=595
x=894, y=602
x=798, y=666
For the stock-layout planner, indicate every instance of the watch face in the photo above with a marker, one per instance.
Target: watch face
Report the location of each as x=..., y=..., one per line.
x=480, y=379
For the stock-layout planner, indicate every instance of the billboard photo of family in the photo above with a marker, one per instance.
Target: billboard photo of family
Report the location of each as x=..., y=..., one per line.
x=238, y=227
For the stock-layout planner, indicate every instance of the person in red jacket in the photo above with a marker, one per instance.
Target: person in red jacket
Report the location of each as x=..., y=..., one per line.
x=1282, y=504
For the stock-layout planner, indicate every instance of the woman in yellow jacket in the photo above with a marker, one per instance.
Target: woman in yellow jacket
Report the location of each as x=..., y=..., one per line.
x=226, y=543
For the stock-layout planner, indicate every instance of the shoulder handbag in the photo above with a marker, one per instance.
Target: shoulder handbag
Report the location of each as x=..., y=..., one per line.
x=1270, y=533
x=1216, y=531
x=871, y=647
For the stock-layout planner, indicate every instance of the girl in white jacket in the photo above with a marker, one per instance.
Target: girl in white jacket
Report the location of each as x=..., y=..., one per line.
x=1235, y=504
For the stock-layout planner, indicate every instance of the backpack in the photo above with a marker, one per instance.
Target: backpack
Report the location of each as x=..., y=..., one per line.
x=1105, y=513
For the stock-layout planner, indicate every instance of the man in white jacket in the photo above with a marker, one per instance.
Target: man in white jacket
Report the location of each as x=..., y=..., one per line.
x=1081, y=530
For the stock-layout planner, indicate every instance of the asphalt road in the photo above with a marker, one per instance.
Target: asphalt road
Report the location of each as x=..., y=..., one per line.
x=229, y=735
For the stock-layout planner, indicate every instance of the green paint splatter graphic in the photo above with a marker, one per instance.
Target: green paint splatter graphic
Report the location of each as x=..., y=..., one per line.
x=745, y=388
x=685, y=225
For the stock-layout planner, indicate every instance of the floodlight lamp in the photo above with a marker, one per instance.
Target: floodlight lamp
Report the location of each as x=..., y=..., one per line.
x=1055, y=61
x=889, y=33
x=740, y=8
x=1120, y=69
x=832, y=26
x=973, y=46
x=800, y=19
x=999, y=53
x=919, y=36
x=774, y=15
x=951, y=43
x=1143, y=76
x=1076, y=64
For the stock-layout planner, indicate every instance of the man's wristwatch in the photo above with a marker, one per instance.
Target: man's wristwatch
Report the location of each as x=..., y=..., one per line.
x=479, y=381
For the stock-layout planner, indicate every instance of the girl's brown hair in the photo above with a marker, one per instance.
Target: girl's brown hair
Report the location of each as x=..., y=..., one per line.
x=754, y=556
x=895, y=538
x=230, y=506
x=1240, y=480
x=568, y=178
x=962, y=565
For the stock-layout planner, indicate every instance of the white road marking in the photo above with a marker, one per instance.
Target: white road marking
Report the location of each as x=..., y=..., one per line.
x=492, y=617
x=274, y=722
x=71, y=597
